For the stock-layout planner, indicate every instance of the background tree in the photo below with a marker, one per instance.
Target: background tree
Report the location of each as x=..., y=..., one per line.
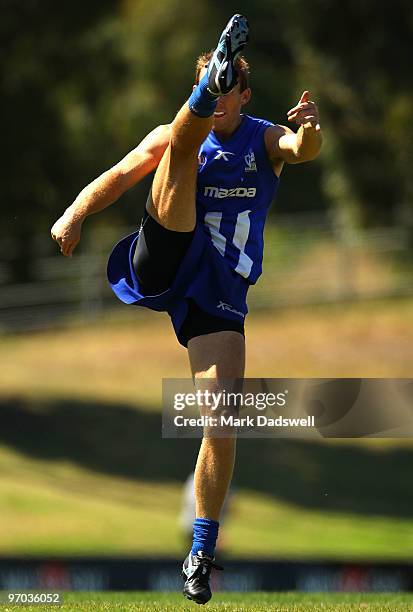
x=81, y=84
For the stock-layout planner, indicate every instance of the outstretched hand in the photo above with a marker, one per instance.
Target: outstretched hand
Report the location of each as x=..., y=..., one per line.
x=305, y=113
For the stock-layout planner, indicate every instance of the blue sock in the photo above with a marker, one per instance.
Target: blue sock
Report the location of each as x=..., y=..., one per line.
x=205, y=536
x=202, y=102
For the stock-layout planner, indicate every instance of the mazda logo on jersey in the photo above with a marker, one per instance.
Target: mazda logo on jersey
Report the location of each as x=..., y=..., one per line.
x=237, y=192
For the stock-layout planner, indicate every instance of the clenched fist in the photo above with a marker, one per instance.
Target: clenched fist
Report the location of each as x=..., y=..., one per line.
x=66, y=232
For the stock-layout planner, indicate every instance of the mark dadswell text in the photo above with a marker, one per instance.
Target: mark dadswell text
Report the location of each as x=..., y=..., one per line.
x=230, y=421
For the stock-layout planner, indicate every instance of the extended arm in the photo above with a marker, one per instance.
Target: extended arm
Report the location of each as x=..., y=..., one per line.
x=284, y=145
x=109, y=186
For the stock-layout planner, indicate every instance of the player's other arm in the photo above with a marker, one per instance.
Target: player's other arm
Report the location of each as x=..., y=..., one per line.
x=284, y=145
x=109, y=186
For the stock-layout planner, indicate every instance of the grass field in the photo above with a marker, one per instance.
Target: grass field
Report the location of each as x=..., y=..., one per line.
x=230, y=602
x=126, y=361
x=54, y=507
x=83, y=465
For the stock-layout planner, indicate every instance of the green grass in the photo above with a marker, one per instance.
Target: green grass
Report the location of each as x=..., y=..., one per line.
x=230, y=602
x=55, y=507
x=83, y=465
x=125, y=362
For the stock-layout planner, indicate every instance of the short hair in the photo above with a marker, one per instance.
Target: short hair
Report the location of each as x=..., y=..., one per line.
x=241, y=65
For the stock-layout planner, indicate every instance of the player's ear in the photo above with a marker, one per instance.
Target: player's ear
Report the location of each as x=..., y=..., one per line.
x=246, y=96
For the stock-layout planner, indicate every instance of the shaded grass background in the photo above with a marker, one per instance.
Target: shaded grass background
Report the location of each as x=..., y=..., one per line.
x=83, y=468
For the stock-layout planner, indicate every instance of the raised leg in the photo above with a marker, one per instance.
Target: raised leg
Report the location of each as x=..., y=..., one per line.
x=172, y=199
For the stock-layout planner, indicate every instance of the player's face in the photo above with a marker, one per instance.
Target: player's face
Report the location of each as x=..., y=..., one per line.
x=227, y=112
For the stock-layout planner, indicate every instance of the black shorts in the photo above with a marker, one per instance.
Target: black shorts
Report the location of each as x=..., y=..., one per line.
x=198, y=323
x=156, y=274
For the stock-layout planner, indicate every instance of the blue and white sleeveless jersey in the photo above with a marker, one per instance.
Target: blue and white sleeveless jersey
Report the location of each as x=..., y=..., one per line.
x=236, y=185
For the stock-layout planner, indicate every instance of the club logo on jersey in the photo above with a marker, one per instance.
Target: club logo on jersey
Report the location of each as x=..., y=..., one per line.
x=224, y=306
x=223, y=155
x=250, y=161
x=237, y=192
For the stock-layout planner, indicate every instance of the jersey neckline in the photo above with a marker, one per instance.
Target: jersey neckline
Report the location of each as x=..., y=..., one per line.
x=234, y=134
